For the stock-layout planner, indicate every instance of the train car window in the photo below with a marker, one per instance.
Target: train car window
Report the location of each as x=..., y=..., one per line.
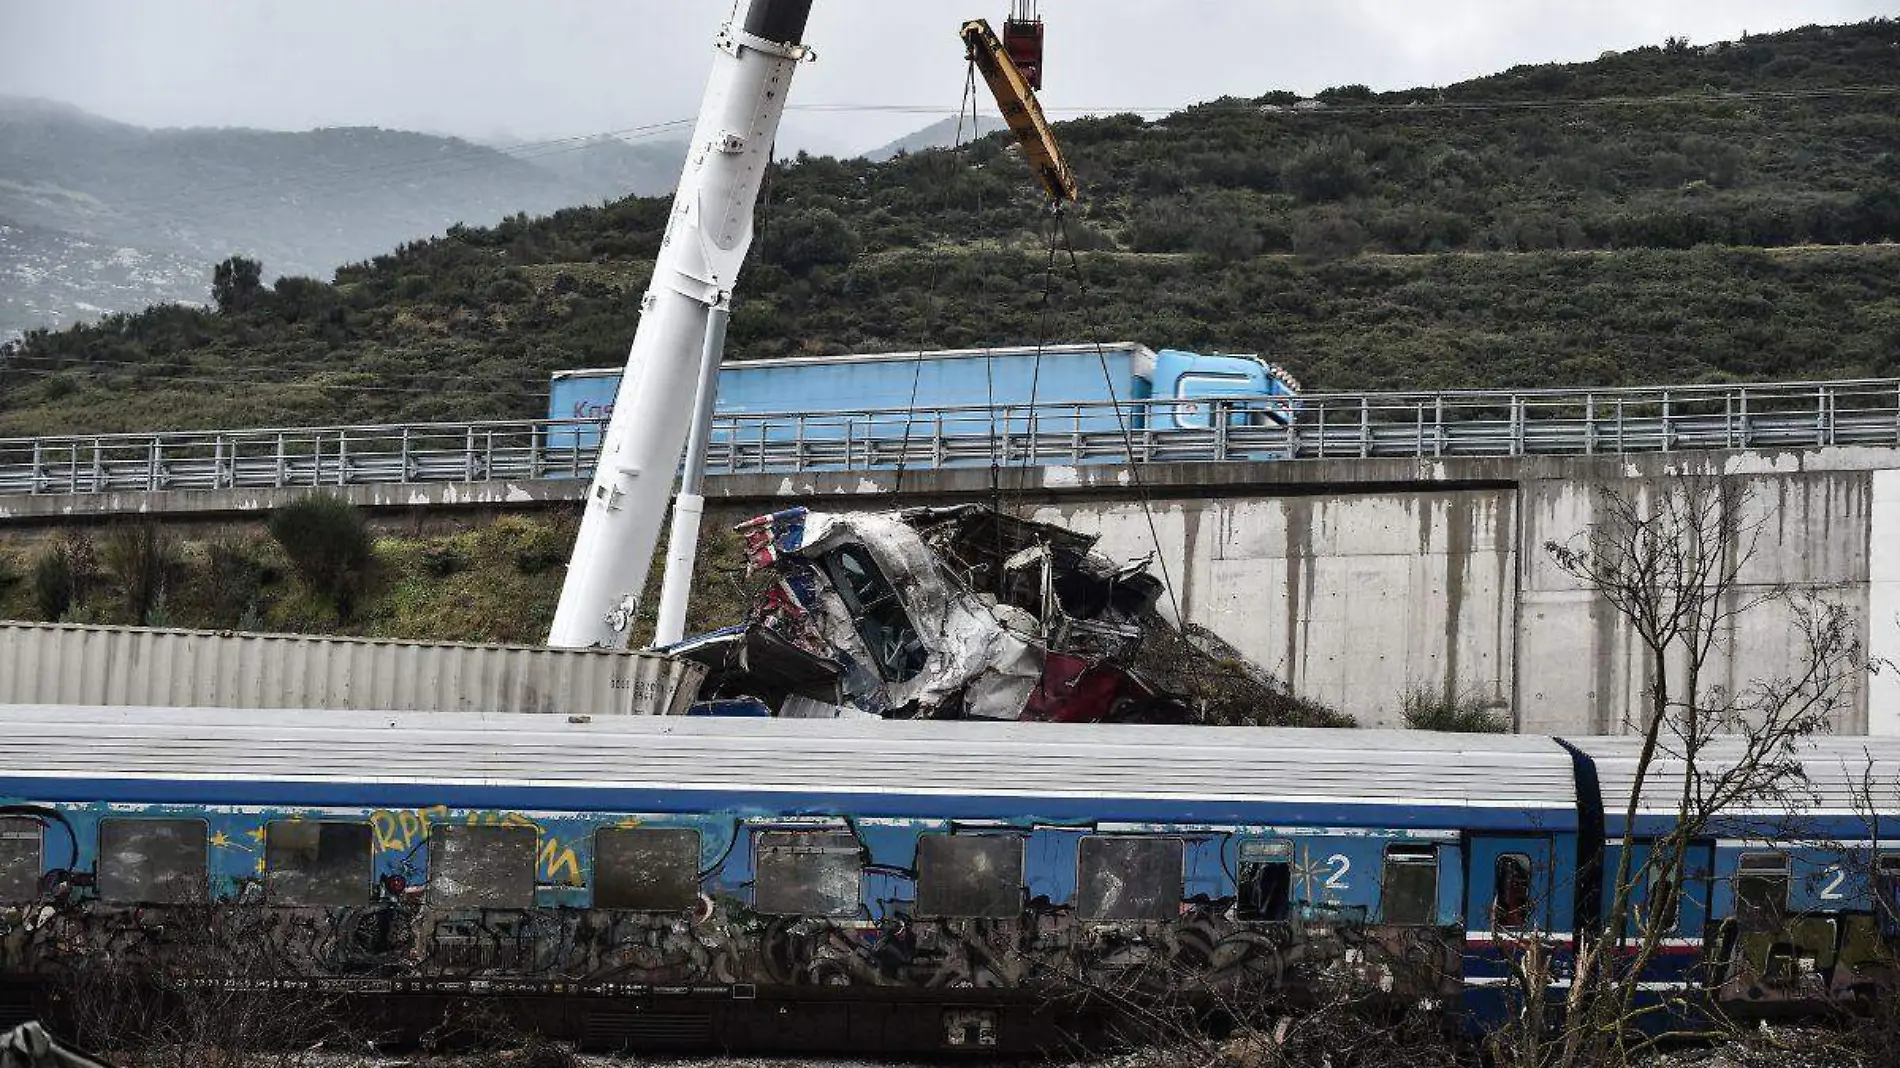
x=968, y=876
x=807, y=873
x=878, y=613
x=1511, y=892
x=21, y=860
x=312, y=863
x=489, y=867
x=152, y=862
x=1408, y=894
x=646, y=869
x=1265, y=882
x=1761, y=891
x=1887, y=891
x=1660, y=901
x=1129, y=879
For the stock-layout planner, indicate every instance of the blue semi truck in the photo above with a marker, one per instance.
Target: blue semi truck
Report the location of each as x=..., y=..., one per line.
x=965, y=393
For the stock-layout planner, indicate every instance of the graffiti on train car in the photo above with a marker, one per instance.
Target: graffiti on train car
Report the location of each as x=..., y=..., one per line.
x=815, y=902
x=401, y=949
x=402, y=831
x=445, y=900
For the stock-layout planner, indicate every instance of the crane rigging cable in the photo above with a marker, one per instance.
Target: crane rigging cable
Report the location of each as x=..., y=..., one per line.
x=967, y=107
x=1013, y=69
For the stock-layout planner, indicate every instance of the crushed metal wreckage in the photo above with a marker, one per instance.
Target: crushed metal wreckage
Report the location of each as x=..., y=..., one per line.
x=938, y=613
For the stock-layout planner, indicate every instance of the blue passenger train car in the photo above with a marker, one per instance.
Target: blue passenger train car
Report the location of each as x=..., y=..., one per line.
x=888, y=885
x=918, y=886
x=1787, y=903
x=1089, y=389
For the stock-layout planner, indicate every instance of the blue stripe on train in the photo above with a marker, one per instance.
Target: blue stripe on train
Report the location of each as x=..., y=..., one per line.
x=766, y=802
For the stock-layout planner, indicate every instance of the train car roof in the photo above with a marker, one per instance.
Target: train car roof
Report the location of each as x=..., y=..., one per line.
x=1349, y=771
x=1841, y=776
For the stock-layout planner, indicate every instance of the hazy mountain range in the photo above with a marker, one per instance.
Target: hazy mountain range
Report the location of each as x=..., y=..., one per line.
x=947, y=133
x=99, y=216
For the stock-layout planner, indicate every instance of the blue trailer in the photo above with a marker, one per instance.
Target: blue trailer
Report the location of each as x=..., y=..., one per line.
x=965, y=393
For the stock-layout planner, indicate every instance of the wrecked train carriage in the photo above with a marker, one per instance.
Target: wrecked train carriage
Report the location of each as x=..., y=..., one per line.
x=961, y=613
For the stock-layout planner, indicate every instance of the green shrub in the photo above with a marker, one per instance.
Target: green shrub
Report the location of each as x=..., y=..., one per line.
x=235, y=582
x=443, y=558
x=1429, y=710
x=140, y=558
x=810, y=238
x=63, y=575
x=534, y=547
x=329, y=544
x=1329, y=234
x=1328, y=169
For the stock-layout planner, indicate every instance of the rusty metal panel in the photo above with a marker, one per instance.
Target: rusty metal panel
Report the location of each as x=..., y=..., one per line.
x=120, y=666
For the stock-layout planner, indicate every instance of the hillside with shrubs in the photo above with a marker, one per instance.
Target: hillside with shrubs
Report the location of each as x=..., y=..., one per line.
x=1677, y=213
x=319, y=566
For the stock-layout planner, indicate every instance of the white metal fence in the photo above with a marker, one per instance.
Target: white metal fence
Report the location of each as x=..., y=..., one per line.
x=1413, y=425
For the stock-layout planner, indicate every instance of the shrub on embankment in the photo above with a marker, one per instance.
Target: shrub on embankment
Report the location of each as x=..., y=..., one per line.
x=478, y=580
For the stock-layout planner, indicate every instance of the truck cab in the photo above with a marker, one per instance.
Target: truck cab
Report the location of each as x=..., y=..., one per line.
x=1201, y=383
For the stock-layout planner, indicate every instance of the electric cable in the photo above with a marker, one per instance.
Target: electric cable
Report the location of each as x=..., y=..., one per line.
x=1128, y=440
x=969, y=106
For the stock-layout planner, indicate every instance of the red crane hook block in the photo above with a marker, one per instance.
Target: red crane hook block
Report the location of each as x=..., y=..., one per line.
x=1022, y=38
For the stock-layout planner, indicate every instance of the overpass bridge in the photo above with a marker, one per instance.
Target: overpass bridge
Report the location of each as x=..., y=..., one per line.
x=450, y=463
x=1383, y=544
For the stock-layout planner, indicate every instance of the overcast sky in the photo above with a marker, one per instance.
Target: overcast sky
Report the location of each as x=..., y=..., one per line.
x=526, y=70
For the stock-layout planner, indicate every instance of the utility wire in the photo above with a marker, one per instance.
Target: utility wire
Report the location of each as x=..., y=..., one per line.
x=967, y=106
x=1128, y=438
x=1327, y=109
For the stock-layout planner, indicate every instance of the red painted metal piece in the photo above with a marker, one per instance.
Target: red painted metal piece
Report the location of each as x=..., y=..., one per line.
x=1022, y=38
x=1076, y=690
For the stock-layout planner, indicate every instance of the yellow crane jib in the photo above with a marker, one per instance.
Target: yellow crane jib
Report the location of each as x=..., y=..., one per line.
x=1020, y=109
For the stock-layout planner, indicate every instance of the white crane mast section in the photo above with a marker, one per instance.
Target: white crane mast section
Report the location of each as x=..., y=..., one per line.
x=706, y=243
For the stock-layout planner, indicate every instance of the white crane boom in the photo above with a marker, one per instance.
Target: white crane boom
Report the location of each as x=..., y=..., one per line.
x=706, y=243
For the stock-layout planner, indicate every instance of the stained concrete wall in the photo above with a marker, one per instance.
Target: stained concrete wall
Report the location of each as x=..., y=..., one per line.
x=1581, y=666
x=1353, y=599
x=1358, y=598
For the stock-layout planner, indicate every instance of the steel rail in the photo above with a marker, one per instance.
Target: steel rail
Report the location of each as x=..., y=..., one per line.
x=1476, y=423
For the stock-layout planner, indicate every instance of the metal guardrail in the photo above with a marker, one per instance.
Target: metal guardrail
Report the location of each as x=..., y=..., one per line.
x=1412, y=425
